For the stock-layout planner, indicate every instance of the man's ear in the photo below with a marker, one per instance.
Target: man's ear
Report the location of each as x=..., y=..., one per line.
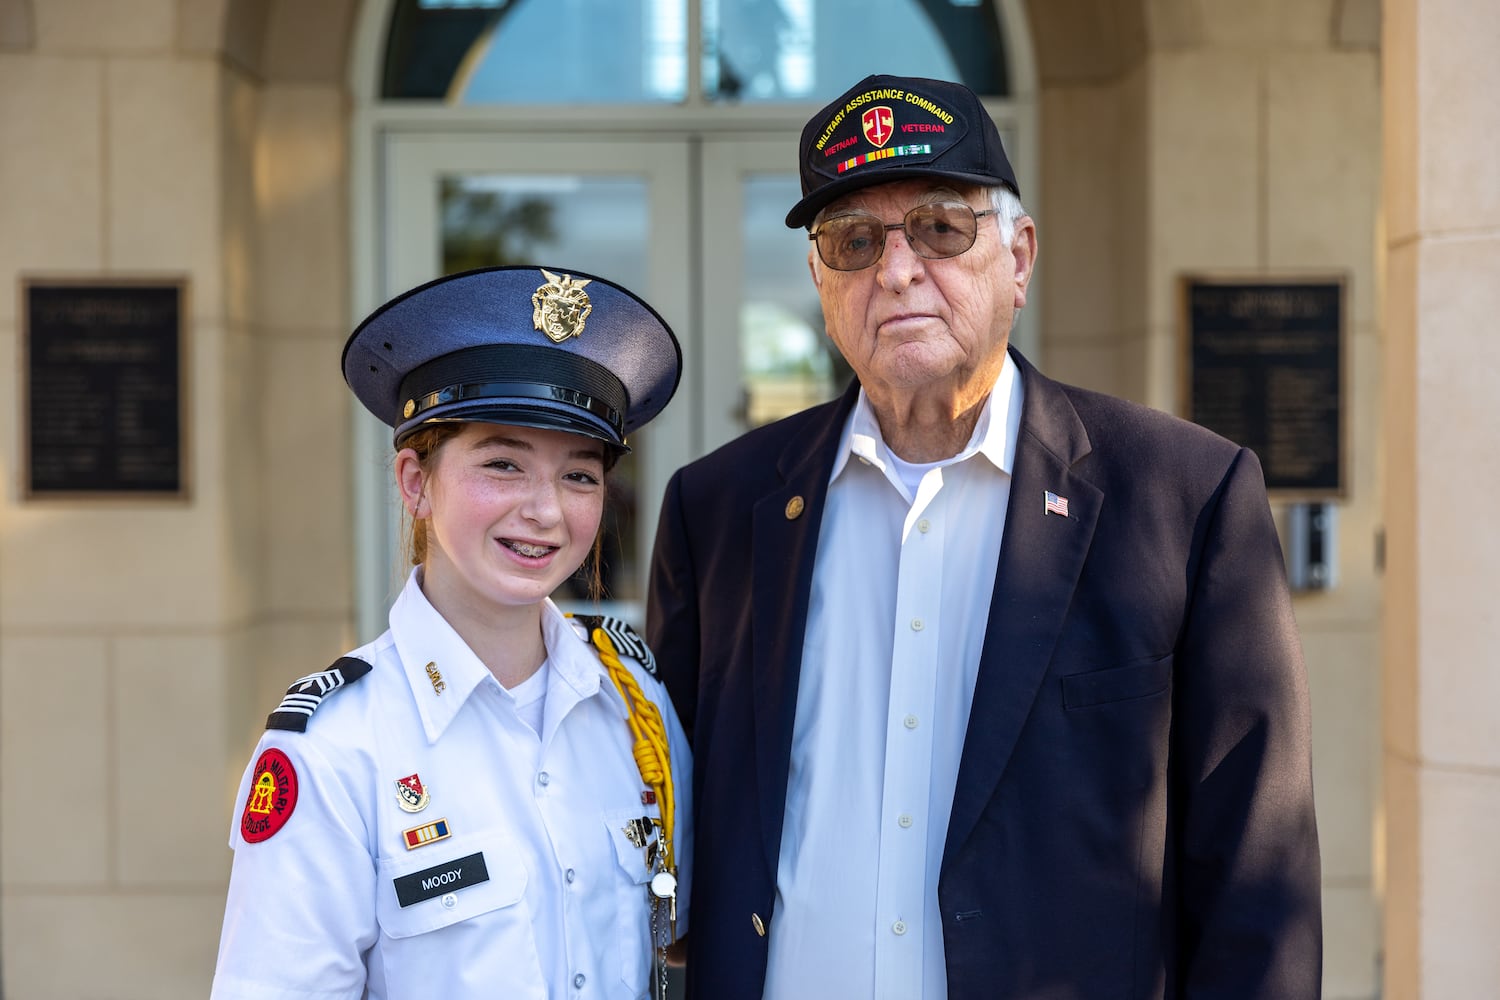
x=812, y=267
x=1023, y=257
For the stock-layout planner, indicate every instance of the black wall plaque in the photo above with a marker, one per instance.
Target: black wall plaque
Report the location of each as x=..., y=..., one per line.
x=1265, y=362
x=103, y=387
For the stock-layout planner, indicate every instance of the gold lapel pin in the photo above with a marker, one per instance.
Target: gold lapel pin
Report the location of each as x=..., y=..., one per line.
x=794, y=508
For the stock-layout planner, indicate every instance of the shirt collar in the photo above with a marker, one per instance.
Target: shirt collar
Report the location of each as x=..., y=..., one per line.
x=994, y=438
x=443, y=671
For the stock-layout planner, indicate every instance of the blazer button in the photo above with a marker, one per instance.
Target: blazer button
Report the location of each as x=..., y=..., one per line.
x=758, y=924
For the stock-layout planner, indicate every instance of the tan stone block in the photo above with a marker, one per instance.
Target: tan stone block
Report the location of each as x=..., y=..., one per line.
x=105, y=26
x=1402, y=908
x=1080, y=243
x=1458, y=414
x=1323, y=169
x=1459, y=137
x=239, y=112
x=164, y=172
x=170, y=757
x=1302, y=23
x=1402, y=598
x=17, y=33
x=307, y=448
x=301, y=166
x=1205, y=172
x=1351, y=943
x=54, y=745
x=1460, y=886
x=1344, y=685
x=50, y=170
x=1111, y=365
x=1237, y=24
x=306, y=43
x=1399, y=120
x=123, y=947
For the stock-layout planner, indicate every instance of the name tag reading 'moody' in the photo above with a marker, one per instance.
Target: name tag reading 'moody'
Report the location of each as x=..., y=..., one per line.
x=441, y=879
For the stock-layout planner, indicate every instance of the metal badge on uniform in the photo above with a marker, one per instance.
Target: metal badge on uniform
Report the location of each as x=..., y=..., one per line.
x=560, y=307
x=648, y=797
x=427, y=833
x=411, y=796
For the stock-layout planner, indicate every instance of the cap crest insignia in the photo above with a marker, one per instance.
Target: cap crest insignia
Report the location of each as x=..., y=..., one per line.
x=878, y=125
x=560, y=307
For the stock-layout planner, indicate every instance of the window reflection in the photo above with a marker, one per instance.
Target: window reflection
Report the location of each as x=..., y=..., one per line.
x=637, y=51
x=786, y=361
x=538, y=51
x=797, y=50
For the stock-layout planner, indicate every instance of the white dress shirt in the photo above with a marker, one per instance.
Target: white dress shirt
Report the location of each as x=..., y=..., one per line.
x=896, y=620
x=561, y=910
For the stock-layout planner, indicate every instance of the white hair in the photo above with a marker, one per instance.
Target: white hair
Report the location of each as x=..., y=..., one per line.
x=1005, y=202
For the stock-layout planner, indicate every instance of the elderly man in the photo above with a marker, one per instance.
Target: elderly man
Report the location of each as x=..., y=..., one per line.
x=993, y=682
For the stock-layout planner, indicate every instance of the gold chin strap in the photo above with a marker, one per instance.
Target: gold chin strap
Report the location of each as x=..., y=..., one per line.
x=653, y=755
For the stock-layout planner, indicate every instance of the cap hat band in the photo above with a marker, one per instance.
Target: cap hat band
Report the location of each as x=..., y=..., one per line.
x=501, y=372
x=518, y=390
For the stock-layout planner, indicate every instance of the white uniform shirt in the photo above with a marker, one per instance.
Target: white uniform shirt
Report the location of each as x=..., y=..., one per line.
x=896, y=620
x=537, y=892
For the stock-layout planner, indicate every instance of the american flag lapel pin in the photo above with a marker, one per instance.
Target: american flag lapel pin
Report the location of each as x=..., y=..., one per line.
x=1055, y=504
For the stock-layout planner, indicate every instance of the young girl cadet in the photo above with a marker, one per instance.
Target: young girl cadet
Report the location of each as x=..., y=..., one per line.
x=491, y=799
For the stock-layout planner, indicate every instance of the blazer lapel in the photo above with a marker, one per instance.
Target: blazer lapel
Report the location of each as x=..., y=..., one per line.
x=1041, y=557
x=785, y=525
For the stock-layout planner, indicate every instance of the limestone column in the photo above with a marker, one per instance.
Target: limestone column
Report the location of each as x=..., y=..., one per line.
x=1442, y=411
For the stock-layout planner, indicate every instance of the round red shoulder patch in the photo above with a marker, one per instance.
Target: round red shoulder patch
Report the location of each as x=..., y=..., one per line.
x=273, y=796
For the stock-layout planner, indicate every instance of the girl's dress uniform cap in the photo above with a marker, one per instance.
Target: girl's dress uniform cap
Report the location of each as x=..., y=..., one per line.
x=891, y=128
x=522, y=345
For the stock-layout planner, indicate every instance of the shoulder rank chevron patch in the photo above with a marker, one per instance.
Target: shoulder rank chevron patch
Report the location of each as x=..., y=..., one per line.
x=626, y=640
x=307, y=693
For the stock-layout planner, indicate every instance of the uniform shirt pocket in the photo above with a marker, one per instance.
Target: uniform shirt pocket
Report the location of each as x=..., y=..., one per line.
x=465, y=921
x=431, y=889
x=633, y=900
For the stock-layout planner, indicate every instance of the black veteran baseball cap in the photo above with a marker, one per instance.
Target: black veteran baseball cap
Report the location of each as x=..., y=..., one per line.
x=890, y=128
x=526, y=346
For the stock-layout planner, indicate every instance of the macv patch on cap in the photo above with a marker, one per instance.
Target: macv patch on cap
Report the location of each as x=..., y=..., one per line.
x=273, y=796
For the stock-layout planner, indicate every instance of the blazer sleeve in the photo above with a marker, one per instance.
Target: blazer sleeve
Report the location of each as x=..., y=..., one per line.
x=1247, y=868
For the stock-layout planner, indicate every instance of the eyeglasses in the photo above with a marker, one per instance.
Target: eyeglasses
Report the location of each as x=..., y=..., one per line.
x=934, y=231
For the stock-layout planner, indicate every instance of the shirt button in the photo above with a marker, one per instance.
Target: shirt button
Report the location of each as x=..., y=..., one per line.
x=570, y=875
x=924, y=525
x=916, y=625
x=910, y=722
x=579, y=980
x=904, y=821
x=899, y=927
x=450, y=901
x=543, y=778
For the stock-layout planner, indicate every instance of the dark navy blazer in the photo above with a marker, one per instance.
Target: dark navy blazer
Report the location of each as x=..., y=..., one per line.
x=1134, y=812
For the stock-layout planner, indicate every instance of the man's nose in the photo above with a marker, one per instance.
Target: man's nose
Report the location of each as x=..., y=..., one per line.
x=899, y=265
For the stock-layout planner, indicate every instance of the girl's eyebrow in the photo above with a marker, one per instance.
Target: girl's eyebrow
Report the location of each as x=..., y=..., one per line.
x=502, y=441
